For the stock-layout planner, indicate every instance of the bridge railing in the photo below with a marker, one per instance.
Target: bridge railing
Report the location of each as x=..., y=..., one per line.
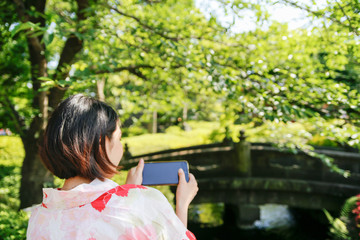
x=268, y=161
x=204, y=160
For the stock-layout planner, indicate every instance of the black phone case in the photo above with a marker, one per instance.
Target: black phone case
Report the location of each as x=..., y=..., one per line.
x=164, y=173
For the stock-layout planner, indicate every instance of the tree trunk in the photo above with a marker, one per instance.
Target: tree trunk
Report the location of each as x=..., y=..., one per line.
x=34, y=174
x=154, y=122
x=152, y=125
x=100, y=85
x=185, y=112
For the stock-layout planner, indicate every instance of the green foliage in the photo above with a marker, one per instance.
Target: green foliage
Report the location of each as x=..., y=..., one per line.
x=207, y=214
x=133, y=131
x=14, y=79
x=300, y=135
x=12, y=151
x=167, y=56
x=346, y=225
x=13, y=222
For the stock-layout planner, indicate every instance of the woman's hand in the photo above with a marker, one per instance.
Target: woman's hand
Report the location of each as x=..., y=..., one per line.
x=135, y=174
x=185, y=193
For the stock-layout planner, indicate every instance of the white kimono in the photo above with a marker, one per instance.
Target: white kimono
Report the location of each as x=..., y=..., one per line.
x=104, y=210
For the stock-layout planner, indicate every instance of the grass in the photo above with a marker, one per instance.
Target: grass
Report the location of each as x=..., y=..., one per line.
x=174, y=137
x=13, y=223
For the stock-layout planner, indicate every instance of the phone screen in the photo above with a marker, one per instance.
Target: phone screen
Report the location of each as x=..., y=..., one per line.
x=164, y=173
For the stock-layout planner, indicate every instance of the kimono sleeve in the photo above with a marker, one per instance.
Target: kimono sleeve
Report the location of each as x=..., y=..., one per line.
x=164, y=217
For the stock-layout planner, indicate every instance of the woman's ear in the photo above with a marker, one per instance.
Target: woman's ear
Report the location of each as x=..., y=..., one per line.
x=105, y=142
x=108, y=144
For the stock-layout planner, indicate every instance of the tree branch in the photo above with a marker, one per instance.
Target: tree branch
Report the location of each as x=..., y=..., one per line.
x=20, y=8
x=128, y=68
x=19, y=122
x=220, y=42
x=24, y=17
x=61, y=14
x=36, y=53
x=133, y=69
x=138, y=73
x=175, y=39
x=72, y=46
x=347, y=17
x=315, y=13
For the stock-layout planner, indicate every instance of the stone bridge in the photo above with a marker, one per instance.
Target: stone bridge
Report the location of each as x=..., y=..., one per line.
x=244, y=175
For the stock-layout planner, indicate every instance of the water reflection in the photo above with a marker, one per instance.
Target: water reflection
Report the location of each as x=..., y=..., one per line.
x=277, y=222
x=274, y=216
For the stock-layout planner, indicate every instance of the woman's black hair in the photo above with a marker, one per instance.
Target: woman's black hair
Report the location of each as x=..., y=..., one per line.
x=74, y=140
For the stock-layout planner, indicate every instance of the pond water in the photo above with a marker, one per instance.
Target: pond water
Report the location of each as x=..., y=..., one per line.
x=277, y=222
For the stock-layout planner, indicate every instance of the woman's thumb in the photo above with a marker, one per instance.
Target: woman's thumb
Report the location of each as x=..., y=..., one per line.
x=181, y=175
x=140, y=166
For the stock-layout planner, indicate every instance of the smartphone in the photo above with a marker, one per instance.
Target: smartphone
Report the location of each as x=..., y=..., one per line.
x=164, y=173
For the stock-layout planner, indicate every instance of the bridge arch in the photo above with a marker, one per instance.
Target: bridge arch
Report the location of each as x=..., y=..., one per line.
x=251, y=174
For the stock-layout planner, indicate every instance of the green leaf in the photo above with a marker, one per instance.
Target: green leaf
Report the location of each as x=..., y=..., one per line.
x=48, y=38
x=26, y=26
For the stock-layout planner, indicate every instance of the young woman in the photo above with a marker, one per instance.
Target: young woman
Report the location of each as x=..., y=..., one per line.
x=82, y=145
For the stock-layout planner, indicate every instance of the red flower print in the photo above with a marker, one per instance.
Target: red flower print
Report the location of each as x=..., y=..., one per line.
x=190, y=235
x=122, y=191
x=147, y=232
x=43, y=205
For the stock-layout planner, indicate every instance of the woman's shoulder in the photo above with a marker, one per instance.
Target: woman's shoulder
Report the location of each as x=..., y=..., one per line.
x=140, y=189
x=124, y=190
x=129, y=196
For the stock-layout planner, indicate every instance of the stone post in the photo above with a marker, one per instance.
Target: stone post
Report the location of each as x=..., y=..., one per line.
x=126, y=155
x=240, y=215
x=242, y=160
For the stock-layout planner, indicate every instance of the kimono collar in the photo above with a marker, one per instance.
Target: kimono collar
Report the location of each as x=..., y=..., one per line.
x=80, y=195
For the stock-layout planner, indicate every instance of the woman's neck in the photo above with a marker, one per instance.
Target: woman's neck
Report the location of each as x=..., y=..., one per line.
x=73, y=182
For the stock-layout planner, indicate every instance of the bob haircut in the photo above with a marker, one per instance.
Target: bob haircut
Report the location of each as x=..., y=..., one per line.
x=74, y=139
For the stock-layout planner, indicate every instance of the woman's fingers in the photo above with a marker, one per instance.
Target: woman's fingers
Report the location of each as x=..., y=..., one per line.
x=135, y=174
x=186, y=191
x=181, y=176
x=140, y=166
x=193, y=182
x=191, y=177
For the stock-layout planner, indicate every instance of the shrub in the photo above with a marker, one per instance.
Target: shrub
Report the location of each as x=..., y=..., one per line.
x=347, y=225
x=13, y=223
